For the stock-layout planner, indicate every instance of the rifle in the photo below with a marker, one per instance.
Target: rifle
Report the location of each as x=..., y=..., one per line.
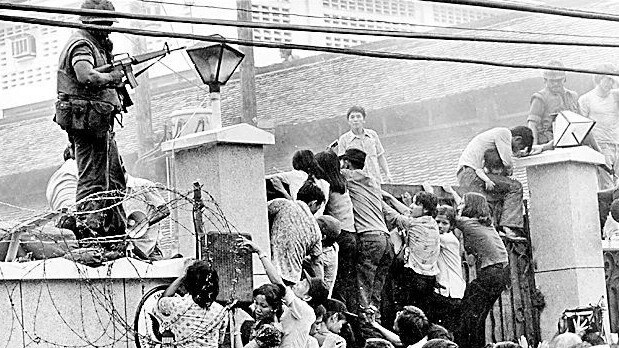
x=126, y=63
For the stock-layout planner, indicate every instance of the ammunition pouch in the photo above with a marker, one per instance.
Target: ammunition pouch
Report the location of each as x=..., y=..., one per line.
x=84, y=115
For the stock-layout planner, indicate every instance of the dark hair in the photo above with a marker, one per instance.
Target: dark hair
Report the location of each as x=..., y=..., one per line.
x=377, y=343
x=273, y=294
x=526, y=134
x=355, y=108
x=310, y=192
x=304, y=160
x=413, y=325
x=594, y=338
x=320, y=312
x=450, y=213
x=437, y=331
x=68, y=152
x=202, y=283
x=439, y=343
x=330, y=165
x=492, y=160
x=428, y=201
x=338, y=315
x=476, y=207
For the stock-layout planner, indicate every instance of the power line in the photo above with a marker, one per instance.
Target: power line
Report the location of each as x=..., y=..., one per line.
x=345, y=51
x=521, y=32
x=544, y=9
x=293, y=27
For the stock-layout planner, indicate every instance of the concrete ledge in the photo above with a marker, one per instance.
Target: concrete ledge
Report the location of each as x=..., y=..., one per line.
x=581, y=154
x=61, y=268
x=610, y=245
x=239, y=133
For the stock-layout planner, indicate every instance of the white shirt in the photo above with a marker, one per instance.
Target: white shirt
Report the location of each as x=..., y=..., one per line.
x=499, y=138
x=296, y=321
x=62, y=186
x=369, y=143
x=450, y=267
x=605, y=112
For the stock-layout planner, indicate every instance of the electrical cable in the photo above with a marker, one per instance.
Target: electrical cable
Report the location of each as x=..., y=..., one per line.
x=295, y=27
x=491, y=30
x=543, y=9
x=345, y=51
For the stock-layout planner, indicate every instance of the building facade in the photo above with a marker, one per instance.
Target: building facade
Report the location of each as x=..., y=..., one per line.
x=29, y=53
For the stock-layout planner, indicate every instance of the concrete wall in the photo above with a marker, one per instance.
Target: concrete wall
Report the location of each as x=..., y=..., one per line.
x=58, y=303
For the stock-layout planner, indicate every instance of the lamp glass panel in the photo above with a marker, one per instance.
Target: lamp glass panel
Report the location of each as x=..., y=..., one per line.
x=205, y=60
x=570, y=129
x=231, y=58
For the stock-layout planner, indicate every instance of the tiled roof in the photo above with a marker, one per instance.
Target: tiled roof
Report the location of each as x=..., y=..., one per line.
x=327, y=86
x=421, y=157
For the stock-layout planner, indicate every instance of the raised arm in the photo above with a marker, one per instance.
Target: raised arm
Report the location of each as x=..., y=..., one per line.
x=392, y=201
x=270, y=270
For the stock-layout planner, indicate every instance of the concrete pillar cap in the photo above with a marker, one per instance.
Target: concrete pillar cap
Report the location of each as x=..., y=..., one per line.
x=581, y=154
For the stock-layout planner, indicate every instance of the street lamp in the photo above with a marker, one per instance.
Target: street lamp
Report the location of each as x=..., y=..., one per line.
x=215, y=64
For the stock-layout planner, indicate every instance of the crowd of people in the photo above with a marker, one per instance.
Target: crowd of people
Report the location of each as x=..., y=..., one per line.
x=355, y=266
x=349, y=263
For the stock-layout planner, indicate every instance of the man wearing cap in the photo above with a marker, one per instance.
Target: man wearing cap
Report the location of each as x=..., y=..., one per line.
x=547, y=103
x=375, y=249
x=86, y=107
x=601, y=104
x=367, y=141
x=551, y=100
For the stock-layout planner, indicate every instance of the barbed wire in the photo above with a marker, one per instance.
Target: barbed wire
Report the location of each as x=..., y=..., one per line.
x=96, y=301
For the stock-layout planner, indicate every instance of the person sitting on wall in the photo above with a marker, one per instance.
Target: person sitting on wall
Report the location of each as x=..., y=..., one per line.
x=473, y=178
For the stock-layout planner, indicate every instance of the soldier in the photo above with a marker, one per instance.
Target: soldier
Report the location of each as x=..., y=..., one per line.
x=87, y=104
x=548, y=102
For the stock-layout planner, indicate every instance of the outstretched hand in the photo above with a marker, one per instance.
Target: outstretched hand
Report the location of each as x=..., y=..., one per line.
x=581, y=326
x=248, y=245
x=490, y=185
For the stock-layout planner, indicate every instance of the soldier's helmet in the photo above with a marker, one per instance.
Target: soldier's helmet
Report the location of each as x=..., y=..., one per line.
x=554, y=74
x=97, y=5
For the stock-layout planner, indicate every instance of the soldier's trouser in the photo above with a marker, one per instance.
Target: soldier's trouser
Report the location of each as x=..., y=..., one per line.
x=100, y=170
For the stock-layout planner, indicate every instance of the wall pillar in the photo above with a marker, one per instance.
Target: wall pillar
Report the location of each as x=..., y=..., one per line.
x=565, y=231
x=229, y=163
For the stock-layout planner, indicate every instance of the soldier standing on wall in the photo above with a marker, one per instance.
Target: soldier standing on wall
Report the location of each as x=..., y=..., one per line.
x=88, y=102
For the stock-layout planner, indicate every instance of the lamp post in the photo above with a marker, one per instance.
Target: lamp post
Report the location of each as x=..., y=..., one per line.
x=215, y=64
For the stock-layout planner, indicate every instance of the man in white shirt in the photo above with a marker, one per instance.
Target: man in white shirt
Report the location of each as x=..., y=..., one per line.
x=601, y=104
x=367, y=141
x=473, y=178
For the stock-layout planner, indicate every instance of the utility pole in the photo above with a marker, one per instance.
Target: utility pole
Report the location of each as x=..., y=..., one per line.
x=248, y=83
x=142, y=99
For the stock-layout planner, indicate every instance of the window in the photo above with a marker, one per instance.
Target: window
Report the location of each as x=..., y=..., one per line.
x=23, y=46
